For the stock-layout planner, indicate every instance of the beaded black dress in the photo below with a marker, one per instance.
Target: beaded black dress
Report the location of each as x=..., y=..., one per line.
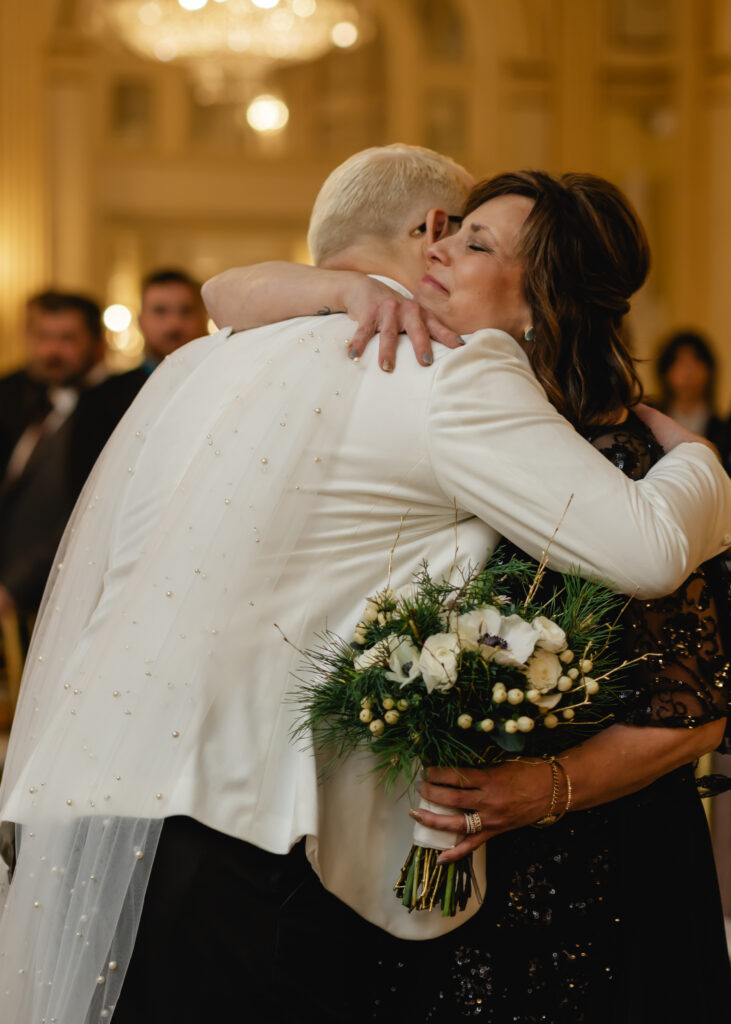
x=613, y=915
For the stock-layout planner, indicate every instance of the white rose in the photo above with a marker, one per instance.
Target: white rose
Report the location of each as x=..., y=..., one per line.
x=376, y=655
x=440, y=661
x=550, y=636
x=543, y=671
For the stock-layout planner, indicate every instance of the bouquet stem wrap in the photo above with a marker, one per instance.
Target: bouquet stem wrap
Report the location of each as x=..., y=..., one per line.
x=423, y=883
x=434, y=838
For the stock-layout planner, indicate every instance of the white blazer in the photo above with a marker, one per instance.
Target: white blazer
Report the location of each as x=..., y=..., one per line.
x=180, y=642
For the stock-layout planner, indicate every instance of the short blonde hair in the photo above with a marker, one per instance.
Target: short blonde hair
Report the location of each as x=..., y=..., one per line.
x=376, y=191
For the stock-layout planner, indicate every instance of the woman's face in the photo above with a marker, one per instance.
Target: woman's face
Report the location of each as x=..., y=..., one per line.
x=687, y=378
x=474, y=279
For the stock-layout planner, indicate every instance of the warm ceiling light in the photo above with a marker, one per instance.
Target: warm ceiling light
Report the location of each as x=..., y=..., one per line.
x=192, y=5
x=265, y=4
x=150, y=14
x=344, y=34
x=117, y=317
x=267, y=114
x=165, y=49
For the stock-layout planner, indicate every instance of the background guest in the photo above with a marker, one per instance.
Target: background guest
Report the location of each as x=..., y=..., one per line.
x=172, y=314
x=686, y=368
x=55, y=416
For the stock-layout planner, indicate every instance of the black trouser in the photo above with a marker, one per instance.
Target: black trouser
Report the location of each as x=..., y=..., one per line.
x=230, y=932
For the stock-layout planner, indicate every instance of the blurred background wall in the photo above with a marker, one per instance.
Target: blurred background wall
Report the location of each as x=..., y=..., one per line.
x=112, y=163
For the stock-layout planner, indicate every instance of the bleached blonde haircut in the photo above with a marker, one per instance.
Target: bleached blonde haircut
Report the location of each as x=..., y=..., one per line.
x=375, y=192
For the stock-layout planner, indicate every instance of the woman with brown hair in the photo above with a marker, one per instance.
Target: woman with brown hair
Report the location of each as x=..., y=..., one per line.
x=587, y=920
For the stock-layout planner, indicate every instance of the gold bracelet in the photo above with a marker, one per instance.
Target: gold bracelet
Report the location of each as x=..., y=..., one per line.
x=557, y=817
x=550, y=817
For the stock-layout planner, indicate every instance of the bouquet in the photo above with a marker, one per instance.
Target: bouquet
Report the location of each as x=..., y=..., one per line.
x=507, y=662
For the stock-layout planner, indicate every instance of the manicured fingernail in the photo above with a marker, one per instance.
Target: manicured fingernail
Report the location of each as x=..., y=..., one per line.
x=387, y=366
x=440, y=860
x=461, y=340
x=353, y=354
x=415, y=815
x=427, y=359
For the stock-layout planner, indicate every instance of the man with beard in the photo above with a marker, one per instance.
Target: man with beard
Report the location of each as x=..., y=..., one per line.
x=172, y=314
x=56, y=415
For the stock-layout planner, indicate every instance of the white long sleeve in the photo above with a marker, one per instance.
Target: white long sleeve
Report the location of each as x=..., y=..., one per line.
x=502, y=452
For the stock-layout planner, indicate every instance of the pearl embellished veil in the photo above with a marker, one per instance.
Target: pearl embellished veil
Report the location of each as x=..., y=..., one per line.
x=142, y=640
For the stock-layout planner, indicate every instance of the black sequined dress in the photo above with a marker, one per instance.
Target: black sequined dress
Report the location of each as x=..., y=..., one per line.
x=613, y=915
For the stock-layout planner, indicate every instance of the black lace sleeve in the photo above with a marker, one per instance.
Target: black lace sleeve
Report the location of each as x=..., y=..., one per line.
x=683, y=680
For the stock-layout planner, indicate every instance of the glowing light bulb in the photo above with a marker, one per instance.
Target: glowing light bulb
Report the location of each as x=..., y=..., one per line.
x=265, y=4
x=267, y=114
x=166, y=49
x=150, y=14
x=192, y=5
x=304, y=8
x=117, y=317
x=344, y=34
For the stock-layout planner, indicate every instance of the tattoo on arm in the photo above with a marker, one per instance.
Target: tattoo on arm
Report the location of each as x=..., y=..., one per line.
x=326, y=311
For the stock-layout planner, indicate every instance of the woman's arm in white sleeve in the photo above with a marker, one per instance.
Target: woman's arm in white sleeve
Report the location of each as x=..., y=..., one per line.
x=503, y=452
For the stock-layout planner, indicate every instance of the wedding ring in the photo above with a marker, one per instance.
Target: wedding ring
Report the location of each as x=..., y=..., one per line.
x=473, y=823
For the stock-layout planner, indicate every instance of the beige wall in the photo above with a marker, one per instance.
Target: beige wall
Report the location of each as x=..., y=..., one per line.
x=93, y=196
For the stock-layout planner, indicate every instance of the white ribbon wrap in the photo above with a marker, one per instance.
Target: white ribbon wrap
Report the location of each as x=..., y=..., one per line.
x=432, y=838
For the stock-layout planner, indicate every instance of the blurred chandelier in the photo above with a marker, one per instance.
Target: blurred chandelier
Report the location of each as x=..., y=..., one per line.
x=228, y=42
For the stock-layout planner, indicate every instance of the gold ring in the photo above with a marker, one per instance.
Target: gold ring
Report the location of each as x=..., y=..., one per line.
x=473, y=823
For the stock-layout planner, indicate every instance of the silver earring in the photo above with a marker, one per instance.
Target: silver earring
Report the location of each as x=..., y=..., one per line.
x=528, y=334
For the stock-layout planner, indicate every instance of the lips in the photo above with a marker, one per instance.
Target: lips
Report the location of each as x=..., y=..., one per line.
x=432, y=282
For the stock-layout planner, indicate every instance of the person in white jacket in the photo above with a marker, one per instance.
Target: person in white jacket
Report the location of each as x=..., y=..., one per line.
x=263, y=478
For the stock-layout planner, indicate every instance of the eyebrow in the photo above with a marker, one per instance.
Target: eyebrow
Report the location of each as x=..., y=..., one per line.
x=487, y=228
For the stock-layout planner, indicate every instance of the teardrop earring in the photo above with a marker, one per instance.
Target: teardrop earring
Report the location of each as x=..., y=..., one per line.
x=528, y=334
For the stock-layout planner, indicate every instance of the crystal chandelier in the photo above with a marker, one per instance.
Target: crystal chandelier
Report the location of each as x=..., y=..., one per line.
x=223, y=42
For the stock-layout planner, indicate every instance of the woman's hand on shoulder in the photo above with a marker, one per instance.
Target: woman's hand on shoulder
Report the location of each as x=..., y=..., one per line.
x=378, y=309
x=667, y=432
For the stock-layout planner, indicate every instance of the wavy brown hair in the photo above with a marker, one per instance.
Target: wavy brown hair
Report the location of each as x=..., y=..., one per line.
x=584, y=253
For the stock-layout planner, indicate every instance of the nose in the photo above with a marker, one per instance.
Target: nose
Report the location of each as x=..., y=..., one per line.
x=438, y=252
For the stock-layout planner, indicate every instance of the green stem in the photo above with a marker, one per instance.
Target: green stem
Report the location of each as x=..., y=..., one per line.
x=447, y=902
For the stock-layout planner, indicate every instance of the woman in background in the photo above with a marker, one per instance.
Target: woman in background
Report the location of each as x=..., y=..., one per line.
x=686, y=369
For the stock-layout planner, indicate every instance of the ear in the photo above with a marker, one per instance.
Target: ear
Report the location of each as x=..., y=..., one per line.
x=437, y=225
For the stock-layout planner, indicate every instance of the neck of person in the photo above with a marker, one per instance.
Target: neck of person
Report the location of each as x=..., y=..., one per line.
x=371, y=259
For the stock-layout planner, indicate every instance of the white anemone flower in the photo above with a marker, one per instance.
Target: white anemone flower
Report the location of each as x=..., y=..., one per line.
x=378, y=654
x=506, y=639
x=404, y=662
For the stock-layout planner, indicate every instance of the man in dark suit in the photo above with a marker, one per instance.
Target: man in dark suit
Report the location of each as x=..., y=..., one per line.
x=56, y=414
x=171, y=314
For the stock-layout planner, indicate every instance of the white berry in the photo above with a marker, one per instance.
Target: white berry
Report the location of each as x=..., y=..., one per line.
x=464, y=721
